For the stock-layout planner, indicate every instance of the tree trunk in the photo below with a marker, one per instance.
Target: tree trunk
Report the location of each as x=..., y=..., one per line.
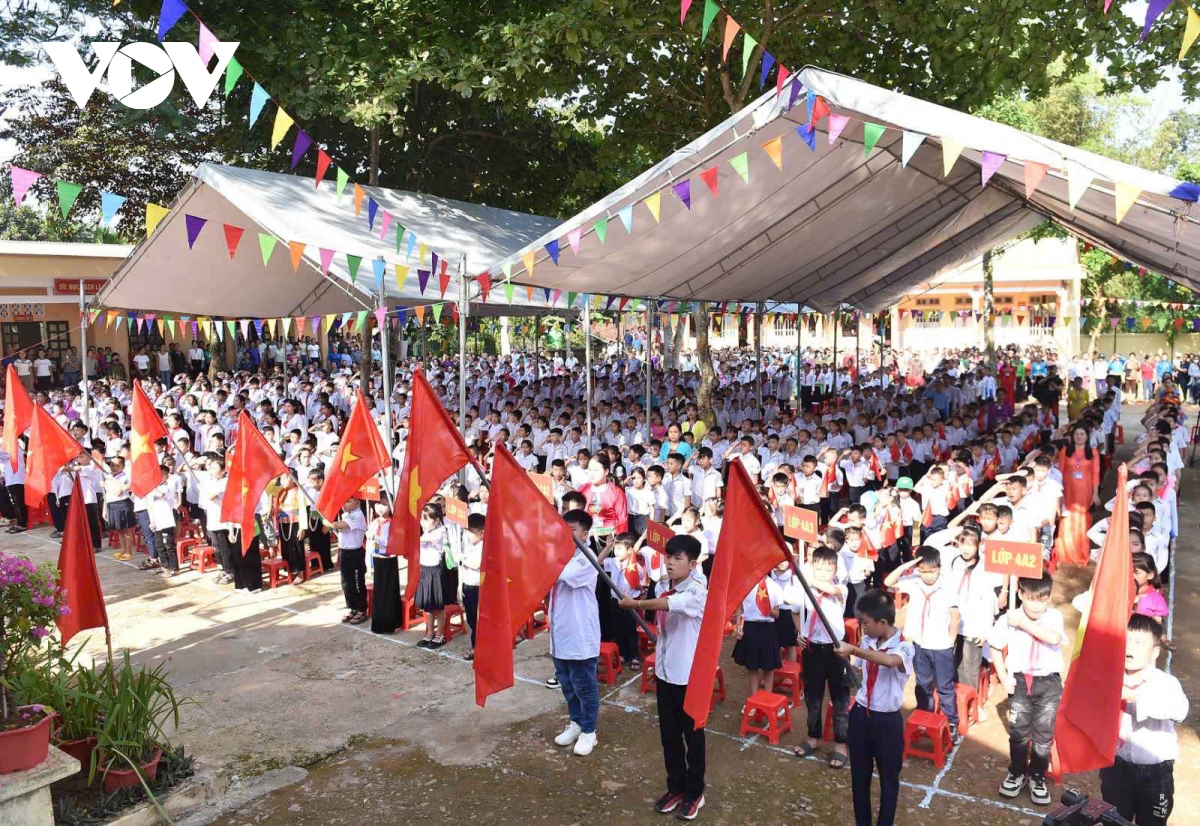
x=708, y=376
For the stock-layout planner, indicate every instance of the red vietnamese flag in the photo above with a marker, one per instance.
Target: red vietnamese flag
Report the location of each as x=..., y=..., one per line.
x=252, y=465
x=526, y=544
x=77, y=573
x=361, y=454
x=748, y=547
x=435, y=451
x=18, y=413
x=1089, y=715
x=146, y=429
x=50, y=447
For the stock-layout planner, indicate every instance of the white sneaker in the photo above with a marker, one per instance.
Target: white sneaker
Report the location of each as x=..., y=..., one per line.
x=569, y=735
x=585, y=744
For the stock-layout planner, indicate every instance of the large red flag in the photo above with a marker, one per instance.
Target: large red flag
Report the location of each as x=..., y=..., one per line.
x=361, y=454
x=435, y=451
x=748, y=547
x=77, y=573
x=526, y=544
x=18, y=413
x=147, y=428
x=1089, y=715
x=50, y=447
x=254, y=463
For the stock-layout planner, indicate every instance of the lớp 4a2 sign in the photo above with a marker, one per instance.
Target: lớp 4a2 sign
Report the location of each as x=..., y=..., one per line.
x=115, y=59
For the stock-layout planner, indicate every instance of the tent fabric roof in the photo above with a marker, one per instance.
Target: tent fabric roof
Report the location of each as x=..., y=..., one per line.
x=163, y=274
x=837, y=226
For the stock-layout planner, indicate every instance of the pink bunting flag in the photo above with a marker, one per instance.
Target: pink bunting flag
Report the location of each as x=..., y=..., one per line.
x=207, y=42
x=326, y=260
x=557, y=295
x=387, y=222
x=573, y=239
x=22, y=179
x=989, y=163
x=1107, y=3
x=782, y=78
x=836, y=124
x=380, y=314
x=1034, y=172
x=684, y=5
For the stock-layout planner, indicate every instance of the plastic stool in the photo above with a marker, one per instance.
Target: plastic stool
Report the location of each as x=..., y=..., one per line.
x=772, y=706
x=608, y=667
x=313, y=563
x=827, y=734
x=853, y=634
x=277, y=572
x=968, y=708
x=40, y=516
x=114, y=539
x=931, y=724
x=452, y=610
x=370, y=598
x=204, y=557
x=409, y=615
x=787, y=682
x=648, y=674
x=183, y=547
x=645, y=647
x=719, y=686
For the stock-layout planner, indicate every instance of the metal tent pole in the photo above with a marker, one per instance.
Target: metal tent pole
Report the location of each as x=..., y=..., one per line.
x=799, y=350
x=649, y=364
x=83, y=354
x=836, y=324
x=587, y=366
x=386, y=365
x=463, y=306
x=537, y=346
x=758, y=317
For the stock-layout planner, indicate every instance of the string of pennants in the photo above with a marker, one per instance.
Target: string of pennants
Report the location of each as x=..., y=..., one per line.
x=1154, y=10
x=1005, y=317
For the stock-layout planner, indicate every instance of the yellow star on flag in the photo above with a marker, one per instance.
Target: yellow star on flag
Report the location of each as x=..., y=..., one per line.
x=414, y=493
x=141, y=444
x=348, y=455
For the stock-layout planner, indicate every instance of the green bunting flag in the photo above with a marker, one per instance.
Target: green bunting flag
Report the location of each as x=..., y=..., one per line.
x=171, y=326
x=741, y=164
x=67, y=193
x=571, y=298
x=872, y=132
x=361, y=322
x=399, y=235
x=352, y=261
x=437, y=313
x=232, y=72
x=601, y=228
x=710, y=14
x=232, y=327
x=508, y=291
x=266, y=243
x=342, y=178
x=748, y=46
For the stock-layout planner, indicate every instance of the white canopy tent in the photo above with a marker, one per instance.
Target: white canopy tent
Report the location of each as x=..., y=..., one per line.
x=162, y=274
x=839, y=226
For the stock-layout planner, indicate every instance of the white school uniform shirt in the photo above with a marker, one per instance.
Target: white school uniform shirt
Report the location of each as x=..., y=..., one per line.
x=750, y=612
x=353, y=536
x=161, y=503
x=706, y=484
x=679, y=492
x=574, y=612
x=91, y=480
x=887, y=694
x=833, y=605
x=927, y=622
x=470, y=561
x=616, y=571
x=808, y=489
x=1027, y=655
x=678, y=629
x=975, y=589
x=15, y=477
x=856, y=472
x=1148, y=723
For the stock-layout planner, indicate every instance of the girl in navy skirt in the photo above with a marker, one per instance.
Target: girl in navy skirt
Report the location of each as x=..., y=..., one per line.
x=757, y=647
x=786, y=624
x=431, y=595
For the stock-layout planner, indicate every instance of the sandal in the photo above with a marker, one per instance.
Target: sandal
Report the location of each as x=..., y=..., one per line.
x=838, y=760
x=424, y=642
x=359, y=618
x=437, y=642
x=149, y=565
x=803, y=750
x=349, y=616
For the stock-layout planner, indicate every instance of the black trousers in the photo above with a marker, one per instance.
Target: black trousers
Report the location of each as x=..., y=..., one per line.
x=247, y=567
x=222, y=549
x=876, y=741
x=823, y=667
x=164, y=544
x=682, y=742
x=385, y=609
x=968, y=659
x=319, y=540
x=856, y=493
x=1031, y=716
x=58, y=510
x=354, y=577
x=624, y=628
x=93, y=515
x=1143, y=794
x=291, y=547
x=16, y=509
x=470, y=595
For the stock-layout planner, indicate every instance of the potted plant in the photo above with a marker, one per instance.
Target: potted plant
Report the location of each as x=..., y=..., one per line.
x=30, y=601
x=135, y=705
x=72, y=690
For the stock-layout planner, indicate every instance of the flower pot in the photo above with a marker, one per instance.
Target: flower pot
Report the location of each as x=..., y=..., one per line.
x=24, y=748
x=118, y=779
x=81, y=750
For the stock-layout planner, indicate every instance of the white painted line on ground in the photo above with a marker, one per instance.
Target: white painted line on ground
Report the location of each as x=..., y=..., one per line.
x=937, y=781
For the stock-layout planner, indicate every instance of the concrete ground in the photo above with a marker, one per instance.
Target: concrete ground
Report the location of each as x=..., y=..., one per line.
x=386, y=729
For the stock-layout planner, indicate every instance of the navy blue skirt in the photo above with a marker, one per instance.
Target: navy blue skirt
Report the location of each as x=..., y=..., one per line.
x=759, y=647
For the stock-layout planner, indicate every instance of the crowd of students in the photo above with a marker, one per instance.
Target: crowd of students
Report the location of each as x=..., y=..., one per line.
x=912, y=471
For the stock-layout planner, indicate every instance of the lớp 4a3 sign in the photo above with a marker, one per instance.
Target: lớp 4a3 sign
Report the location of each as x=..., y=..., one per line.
x=165, y=59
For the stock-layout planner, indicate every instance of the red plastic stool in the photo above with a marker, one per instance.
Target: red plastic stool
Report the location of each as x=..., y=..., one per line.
x=313, y=566
x=183, y=548
x=719, y=686
x=452, y=610
x=827, y=734
x=931, y=724
x=772, y=706
x=853, y=634
x=114, y=539
x=277, y=572
x=645, y=647
x=968, y=708
x=409, y=615
x=370, y=598
x=203, y=557
x=985, y=683
x=41, y=516
x=608, y=667
x=787, y=682
x=648, y=675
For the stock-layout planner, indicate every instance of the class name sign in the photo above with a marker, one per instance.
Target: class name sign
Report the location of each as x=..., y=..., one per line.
x=1019, y=559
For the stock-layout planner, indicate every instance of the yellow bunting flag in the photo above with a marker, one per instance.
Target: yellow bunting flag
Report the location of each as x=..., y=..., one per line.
x=154, y=214
x=283, y=122
x=1126, y=195
x=421, y=254
x=527, y=260
x=774, y=150
x=951, y=149
x=654, y=204
x=1191, y=32
x=401, y=276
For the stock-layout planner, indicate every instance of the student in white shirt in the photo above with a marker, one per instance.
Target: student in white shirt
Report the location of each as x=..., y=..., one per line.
x=821, y=664
x=1141, y=781
x=575, y=641
x=975, y=587
x=679, y=603
x=1031, y=673
x=352, y=558
x=470, y=564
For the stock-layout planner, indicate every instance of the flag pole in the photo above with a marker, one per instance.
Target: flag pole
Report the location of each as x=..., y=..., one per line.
x=591, y=557
x=388, y=379
x=108, y=642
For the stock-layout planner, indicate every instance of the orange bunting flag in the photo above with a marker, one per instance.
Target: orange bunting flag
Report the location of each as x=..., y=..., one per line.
x=526, y=545
x=297, y=249
x=361, y=454
x=731, y=31
x=436, y=451
x=774, y=150
x=147, y=428
x=1034, y=172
